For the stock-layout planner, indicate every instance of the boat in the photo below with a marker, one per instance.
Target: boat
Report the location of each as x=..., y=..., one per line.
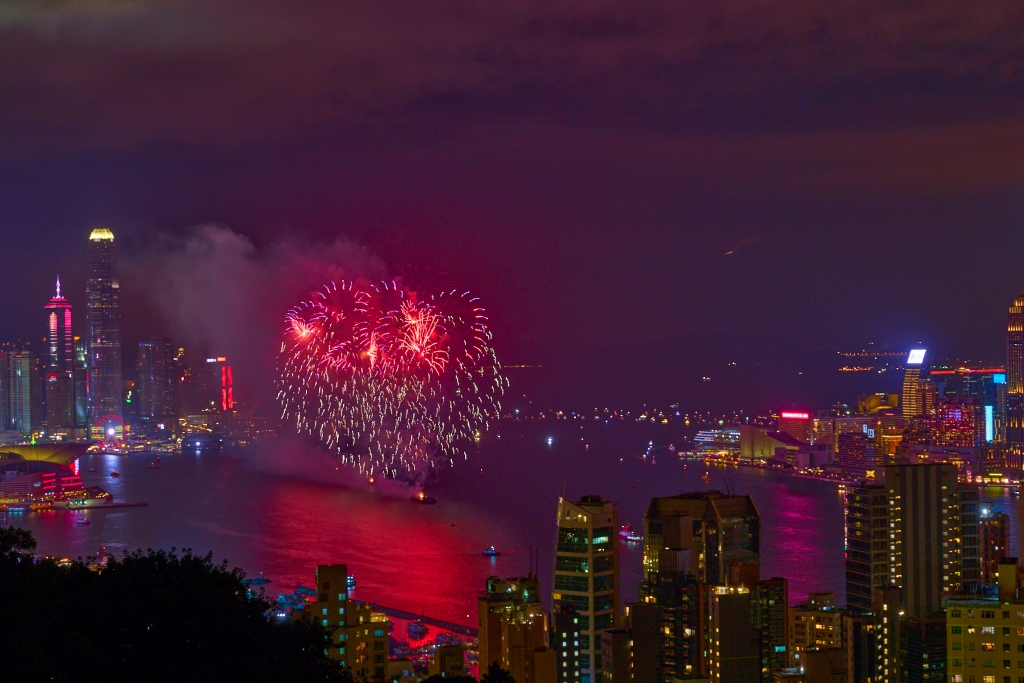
x=351, y=580
x=154, y=465
x=626, y=533
x=82, y=521
x=91, y=469
x=492, y=552
x=258, y=581
x=115, y=473
x=706, y=478
x=417, y=630
x=424, y=499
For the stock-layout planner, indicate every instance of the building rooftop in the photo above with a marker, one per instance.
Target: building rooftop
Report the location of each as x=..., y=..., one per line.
x=101, y=234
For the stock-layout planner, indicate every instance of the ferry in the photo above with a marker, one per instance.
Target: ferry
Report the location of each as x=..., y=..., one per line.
x=424, y=499
x=91, y=469
x=115, y=473
x=154, y=465
x=351, y=580
x=492, y=552
x=626, y=533
x=83, y=521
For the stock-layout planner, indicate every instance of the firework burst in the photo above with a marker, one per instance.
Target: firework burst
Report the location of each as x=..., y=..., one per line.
x=395, y=384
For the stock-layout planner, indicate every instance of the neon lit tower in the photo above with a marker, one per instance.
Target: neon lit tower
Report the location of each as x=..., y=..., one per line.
x=60, y=359
x=103, y=322
x=1015, y=374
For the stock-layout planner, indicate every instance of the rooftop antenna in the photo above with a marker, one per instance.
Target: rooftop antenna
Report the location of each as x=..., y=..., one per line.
x=58, y=286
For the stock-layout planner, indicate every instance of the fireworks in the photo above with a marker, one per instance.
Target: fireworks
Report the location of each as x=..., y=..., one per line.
x=395, y=384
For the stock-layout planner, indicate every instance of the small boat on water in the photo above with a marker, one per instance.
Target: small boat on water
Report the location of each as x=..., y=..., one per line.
x=492, y=552
x=417, y=630
x=423, y=499
x=626, y=533
x=91, y=469
x=351, y=580
x=115, y=473
x=154, y=465
x=706, y=478
x=82, y=521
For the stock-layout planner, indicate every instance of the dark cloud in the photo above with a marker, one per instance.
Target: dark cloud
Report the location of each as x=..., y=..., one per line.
x=86, y=74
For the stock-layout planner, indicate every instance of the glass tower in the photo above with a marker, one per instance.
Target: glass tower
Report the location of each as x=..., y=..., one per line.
x=59, y=369
x=587, y=574
x=103, y=323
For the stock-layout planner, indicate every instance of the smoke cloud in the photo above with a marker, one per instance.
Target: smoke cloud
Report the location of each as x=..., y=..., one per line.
x=221, y=295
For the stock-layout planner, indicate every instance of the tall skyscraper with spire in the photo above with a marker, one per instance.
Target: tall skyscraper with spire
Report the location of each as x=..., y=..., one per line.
x=1015, y=374
x=103, y=323
x=59, y=378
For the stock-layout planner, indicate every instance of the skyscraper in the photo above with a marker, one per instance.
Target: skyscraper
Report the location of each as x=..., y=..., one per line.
x=103, y=323
x=913, y=403
x=60, y=364
x=17, y=378
x=587, y=573
x=1015, y=374
x=155, y=378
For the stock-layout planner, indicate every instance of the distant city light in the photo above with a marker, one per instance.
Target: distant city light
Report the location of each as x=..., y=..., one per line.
x=916, y=356
x=795, y=416
x=551, y=440
x=111, y=432
x=999, y=378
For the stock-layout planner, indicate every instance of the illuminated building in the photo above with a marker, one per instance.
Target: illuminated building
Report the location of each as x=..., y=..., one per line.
x=587, y=573
x=959, y=422
x=984, y=638
x=17, y=383
x=994, y=541
x=817, y=623
x=730, y=649
x=1015, y=374
x=359, y=636
x=214, y=386
x=913, y=403
x=103, y=328
x=868, y=404
x=81, y=380
x=616, y=656
x=797, y=424
x=155, y=378
x=712, y=535
x=513, y=629
x=60, y=364
x=565, y=641
x=909, y=530
x=757, y=445
x=858, y=453
x=769, y=613
x=448, y=661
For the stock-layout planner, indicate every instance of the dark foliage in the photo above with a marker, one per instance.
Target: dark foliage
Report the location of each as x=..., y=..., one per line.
x=149, y=616
x=495, y=674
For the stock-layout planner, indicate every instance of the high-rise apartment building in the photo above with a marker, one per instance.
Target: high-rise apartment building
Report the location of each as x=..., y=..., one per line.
x=587, y=573
x=909, y=530
x=155, y=378
x=730, y=643
x=566, y=631
x=103, y=327
x=59, y=368
x=817, y=623
x=513, y=629
x=1015, y=374
x=712, y=535
x=359, y=636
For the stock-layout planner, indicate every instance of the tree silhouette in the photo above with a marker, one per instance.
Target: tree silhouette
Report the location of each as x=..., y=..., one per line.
x=152, y=615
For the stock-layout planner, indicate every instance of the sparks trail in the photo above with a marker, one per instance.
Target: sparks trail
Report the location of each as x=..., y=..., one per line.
x=394, y=384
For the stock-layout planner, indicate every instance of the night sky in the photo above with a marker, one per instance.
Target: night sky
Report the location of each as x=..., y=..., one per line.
x=640, y=192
